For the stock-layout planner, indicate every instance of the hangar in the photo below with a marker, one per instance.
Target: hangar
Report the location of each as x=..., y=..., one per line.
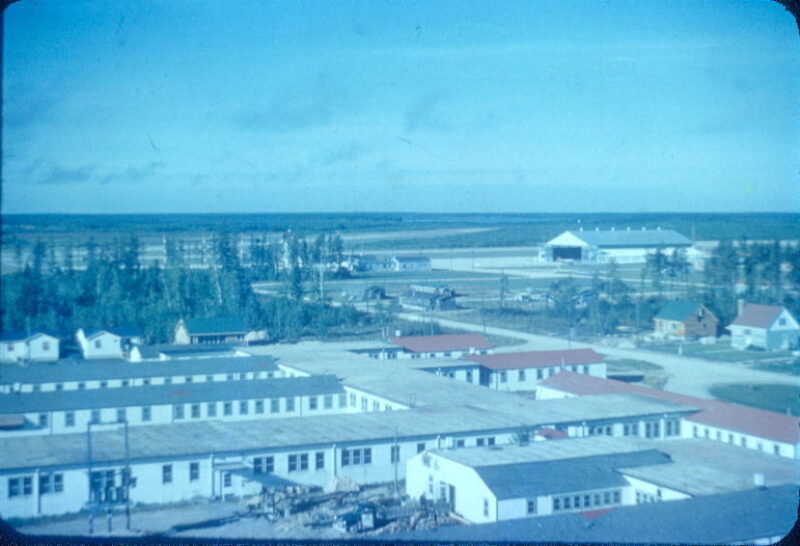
x=623, y=246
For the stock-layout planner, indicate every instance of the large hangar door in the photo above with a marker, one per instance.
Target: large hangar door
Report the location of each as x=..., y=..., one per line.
x=566, y=253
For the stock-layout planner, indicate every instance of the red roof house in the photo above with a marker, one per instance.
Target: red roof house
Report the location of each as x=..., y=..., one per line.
x=769, y=327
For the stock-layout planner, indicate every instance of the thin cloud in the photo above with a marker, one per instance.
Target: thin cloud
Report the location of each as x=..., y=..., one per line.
x=428, y=113
x=344, y=154
x=68, y=175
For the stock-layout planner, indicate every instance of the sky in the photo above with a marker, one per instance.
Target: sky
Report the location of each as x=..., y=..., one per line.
x=149, y=106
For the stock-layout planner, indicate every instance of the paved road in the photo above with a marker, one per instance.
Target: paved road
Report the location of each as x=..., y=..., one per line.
x=686, y=375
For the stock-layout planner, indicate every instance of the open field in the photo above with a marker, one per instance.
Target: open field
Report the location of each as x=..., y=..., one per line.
x=772, y=361
x=778, y=398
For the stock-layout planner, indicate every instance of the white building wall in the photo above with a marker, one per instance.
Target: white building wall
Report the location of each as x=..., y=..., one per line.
x=103, y=345
x=692, y=429
x=652, y=490
x=527, y=379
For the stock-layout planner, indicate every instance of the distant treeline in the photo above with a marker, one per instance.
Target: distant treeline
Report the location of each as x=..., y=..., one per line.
x=114, y=290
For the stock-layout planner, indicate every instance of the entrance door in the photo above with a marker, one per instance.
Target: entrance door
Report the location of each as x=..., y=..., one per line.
x=451, y=498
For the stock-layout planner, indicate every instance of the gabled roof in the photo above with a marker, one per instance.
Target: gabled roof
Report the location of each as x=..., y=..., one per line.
x=739, y=517
x=757, y=422
x=215, y=325
x=121, y=331
x=632, y=238
x=535, y=359
x=681, y=310
x=510, y=481
x=446, y=342
x=20, y=335
x=756, y=315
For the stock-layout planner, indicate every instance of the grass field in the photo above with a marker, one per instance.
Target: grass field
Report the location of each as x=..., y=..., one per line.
x=723, y=353
x=773, y=397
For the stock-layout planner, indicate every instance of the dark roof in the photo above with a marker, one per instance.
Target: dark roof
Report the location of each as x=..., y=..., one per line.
x=679, y=311
x=216, y=325
x=535, y=359
x=758, y=316
x=511, y=481
x=20, y=335
x=418, y=259
x=68, y=370
x=716, y=519
x=121, y=331
x=633, y=238
x=169, y=394
x=196, y=348
x=446, y=342
x=761, y=423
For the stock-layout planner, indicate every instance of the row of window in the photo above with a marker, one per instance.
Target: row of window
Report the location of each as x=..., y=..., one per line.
x=643, y=498
x=376, y=405
x=593, y=500
x=357, y=456
x=166, y=380
x=776, y=449
x=194, y=472
x=21, y=486
x=540, y=373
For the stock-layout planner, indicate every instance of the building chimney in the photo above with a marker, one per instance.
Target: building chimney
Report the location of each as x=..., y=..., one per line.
x=740, y=303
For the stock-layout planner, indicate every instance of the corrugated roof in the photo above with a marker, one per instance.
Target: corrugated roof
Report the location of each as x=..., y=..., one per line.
x=761, y=423
x=678, y=310
x=169, y=394
x=756, y=315
x=445, y=342
x=511, y=481
x=68, y=370
x=215, y=325
x=536, y=359
x=633, y=238
x=717, y=519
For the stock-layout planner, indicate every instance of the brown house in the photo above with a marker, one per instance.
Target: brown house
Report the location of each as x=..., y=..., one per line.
x=685, y=319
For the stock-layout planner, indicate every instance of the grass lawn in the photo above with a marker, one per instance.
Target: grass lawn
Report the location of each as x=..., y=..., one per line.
x=786, y=366
x=628, y=364
x=771, y=397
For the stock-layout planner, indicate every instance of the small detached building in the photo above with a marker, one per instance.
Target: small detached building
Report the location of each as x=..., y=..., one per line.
x=524, y=370
x=685, y=320
x=39, y=346
x=446, y=345
x=411, y=263
x=108, y=342
x=768, y=327
x=429, y=298
x=215, y=330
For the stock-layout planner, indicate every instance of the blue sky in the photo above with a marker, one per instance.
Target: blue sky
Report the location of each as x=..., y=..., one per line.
x=502, y=106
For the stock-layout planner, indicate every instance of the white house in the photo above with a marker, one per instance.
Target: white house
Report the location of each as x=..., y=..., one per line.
x=35, y=346
x=621, y=246
x=524, y=370
x=215, y=330
x=108, y=342
x=769, y=327
x=411, y=263
x=506, y=482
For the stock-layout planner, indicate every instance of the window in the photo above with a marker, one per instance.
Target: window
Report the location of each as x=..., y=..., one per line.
x=776, y=449
x=521, y=375
x=342, y=400
x=209, y=378
x=479, y=442
x=11, y=347
x=166, y=473
x=430, y=484
x=103, y=384
x=37, y=388
x=122, y=415
x=319, y=460
x=743, y=441
x=503, y=376
x=706, y=432
x=782, y=321
x=596, y=499
x=59, y=386
x=469, y=376
x=194, y=472
x=42, y=419
x=395, y=454
x=312, y=402
x=58, y=483
x=531, y=506
x=352, y=400
x=195, y=409
x=168, y=381
x=556, y=504
x=81, y=386
x=730, y=438
x=244, y=407
x=126, y=383
x=229, y=377
x=146, y=381
x=617, y=496
x=211, y=409
x=539, y=373
x=420, y=447
x=95, y=416
x=188, y=379
x=567, y=504
x=290, y=404
x=177, y=411
x=69, y=419
x=376, y=406
x=274, y=405
x=345, y=457
x=460, y=443
x=227, y=408
x=44, y=484
x=486, y=507
x=264, y=465
x=585, y=370
x=576, y=501
x=607, y=498
x=98, y=343
x=146, y=413
x=359, y=456
x=20, y=486
x=587, y=501
x=490, y=440
x=363, y=403
x=298, y=462
x=259, y=406
x=719, y=436
x=226, y=479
